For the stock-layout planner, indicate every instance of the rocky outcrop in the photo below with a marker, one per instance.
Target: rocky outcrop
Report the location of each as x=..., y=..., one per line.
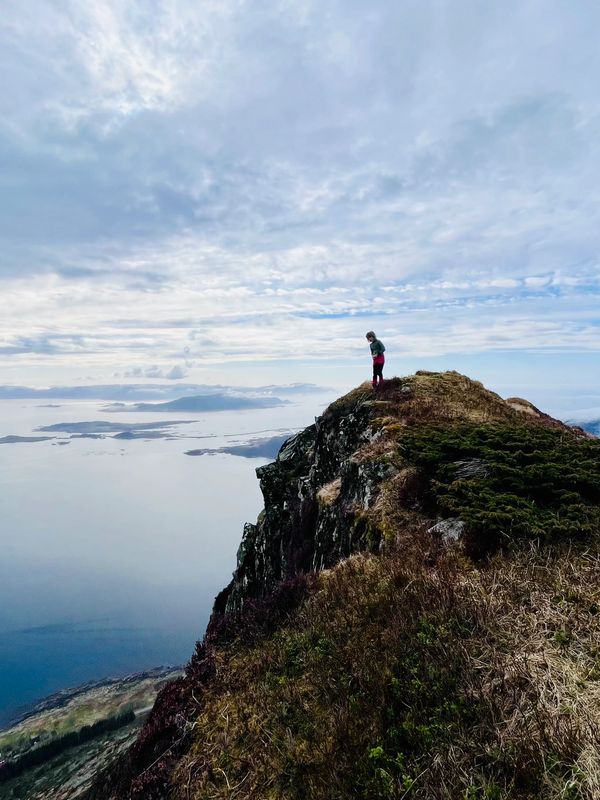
x=313, y=492
x=321, y=489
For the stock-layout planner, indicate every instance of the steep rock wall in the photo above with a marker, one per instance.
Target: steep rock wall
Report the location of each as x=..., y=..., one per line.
x=312, y=494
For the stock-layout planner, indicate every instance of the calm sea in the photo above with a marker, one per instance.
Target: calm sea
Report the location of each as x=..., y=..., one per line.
x=112, y=550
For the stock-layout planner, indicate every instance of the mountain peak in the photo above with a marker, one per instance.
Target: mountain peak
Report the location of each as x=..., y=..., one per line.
x=348, y=645
x=444, y=397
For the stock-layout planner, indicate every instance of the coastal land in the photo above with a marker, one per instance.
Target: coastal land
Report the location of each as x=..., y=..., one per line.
x=55, y=748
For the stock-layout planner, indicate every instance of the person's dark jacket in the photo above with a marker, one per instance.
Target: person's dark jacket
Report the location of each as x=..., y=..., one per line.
x=377, y=348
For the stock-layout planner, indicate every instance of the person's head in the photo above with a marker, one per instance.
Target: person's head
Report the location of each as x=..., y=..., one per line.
x=371, y=336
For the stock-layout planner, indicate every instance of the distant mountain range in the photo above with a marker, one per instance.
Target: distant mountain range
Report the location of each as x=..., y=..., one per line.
x=150, y=391
x=19, y=439
x=102, y=426
x=203, y=402
x=591, y=426
x=254, y=448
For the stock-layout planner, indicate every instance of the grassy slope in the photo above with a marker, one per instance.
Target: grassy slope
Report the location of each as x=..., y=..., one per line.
x=540, y=479
x=85, y=709
x=66, y=775
x=414, y=674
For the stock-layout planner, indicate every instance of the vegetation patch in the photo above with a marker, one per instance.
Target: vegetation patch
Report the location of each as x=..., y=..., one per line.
x=57, y=750
x=350, y=402
x=399, y=680
x=535, y=482
x=366, y=532
x=44, y=752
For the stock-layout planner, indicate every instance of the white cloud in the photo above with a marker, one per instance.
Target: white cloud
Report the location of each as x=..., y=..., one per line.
x=272, y=176
x=175, y=373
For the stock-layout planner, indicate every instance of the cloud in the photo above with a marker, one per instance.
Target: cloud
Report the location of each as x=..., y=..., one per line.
x=43, y=344
x=175, y=373
x=200, y=183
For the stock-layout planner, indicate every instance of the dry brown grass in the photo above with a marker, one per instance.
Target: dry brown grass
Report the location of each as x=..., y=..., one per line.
x=328, y=494
x=451, y=397
x=499, y=671
x=540, y=667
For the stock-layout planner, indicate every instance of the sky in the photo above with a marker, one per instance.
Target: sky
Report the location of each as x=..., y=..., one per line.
x=237, y=191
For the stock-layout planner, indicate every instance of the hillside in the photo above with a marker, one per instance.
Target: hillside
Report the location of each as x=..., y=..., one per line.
x=415, y=614
x=54, y=750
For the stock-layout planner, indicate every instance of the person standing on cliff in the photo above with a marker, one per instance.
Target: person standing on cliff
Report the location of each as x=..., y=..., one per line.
x=377, y=351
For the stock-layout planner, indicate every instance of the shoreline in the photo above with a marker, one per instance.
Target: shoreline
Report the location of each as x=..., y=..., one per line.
x=63, y=697
x=57, y=746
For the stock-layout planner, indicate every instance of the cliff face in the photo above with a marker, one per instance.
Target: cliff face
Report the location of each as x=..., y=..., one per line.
x=346, y=652
x=312, y=493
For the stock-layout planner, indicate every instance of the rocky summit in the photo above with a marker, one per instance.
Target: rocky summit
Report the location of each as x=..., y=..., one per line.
x=414, y=614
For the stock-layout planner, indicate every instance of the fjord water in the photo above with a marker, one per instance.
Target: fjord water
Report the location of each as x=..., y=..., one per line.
x=113, y=549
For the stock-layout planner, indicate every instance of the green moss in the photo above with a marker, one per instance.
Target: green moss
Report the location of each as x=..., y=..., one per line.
x=350, y=402
x=562, y=638
x=301, y=650
x=366, y=533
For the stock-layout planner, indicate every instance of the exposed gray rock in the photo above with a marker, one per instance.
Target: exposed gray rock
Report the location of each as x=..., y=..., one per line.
x=450, y=530
x=472, y=468
x=298, y=531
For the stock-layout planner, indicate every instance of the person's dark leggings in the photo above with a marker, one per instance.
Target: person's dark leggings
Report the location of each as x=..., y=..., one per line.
x=377, y=373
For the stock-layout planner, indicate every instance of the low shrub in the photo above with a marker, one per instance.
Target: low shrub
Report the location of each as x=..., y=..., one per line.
x=540, y=483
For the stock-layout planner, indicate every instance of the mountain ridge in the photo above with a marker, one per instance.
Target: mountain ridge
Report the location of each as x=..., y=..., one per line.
x=350, y=525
